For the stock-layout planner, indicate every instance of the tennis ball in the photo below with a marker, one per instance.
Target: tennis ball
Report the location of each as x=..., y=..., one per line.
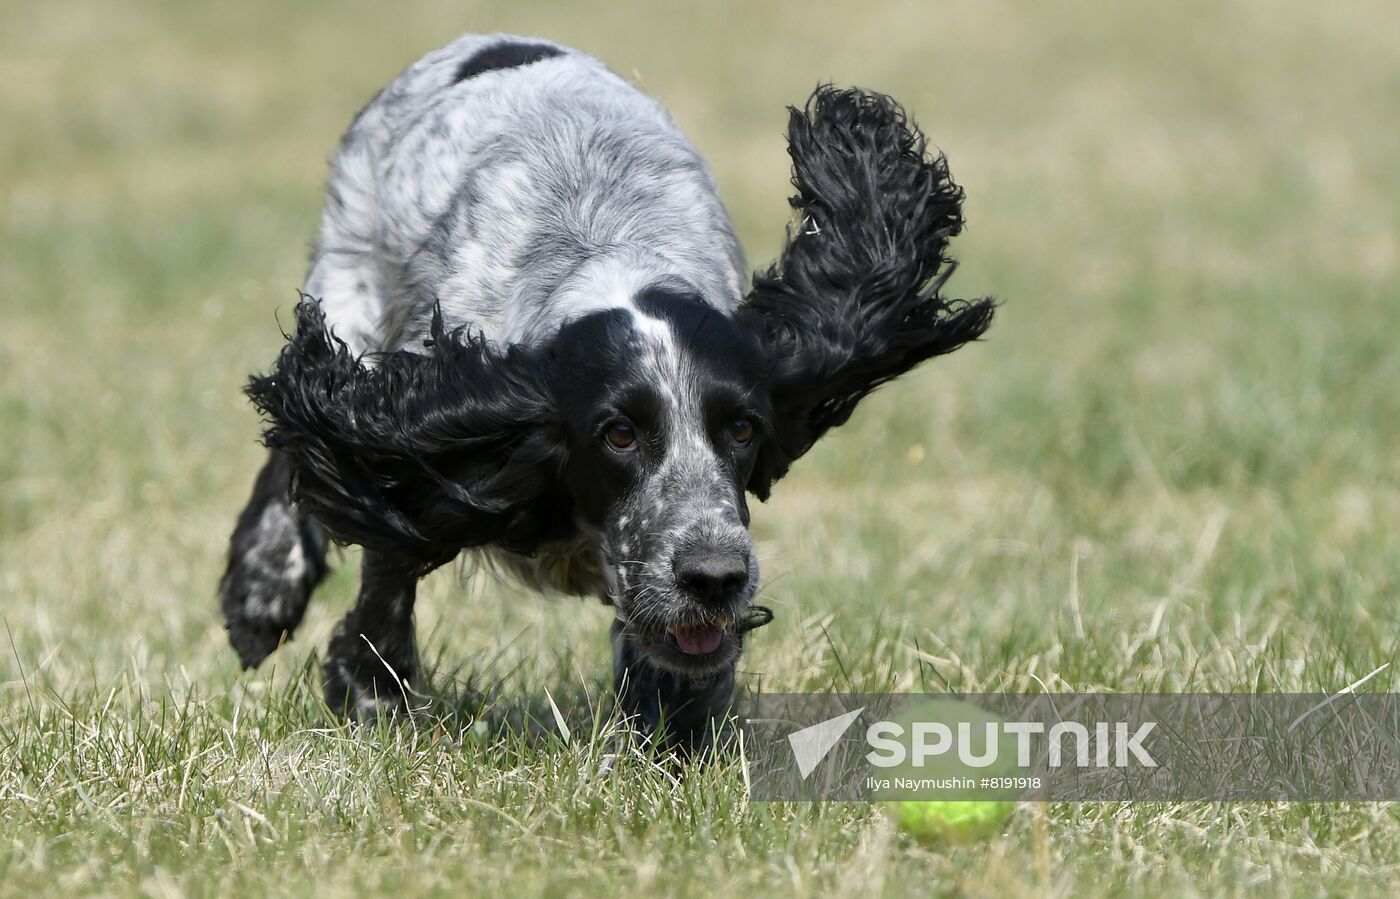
x=958, y=814
x=952, y=822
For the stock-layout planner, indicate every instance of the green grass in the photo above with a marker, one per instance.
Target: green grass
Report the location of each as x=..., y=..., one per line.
x=1172, y=465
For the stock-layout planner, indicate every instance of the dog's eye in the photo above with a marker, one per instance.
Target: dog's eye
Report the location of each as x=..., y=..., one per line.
x=621, y=435
x=741, y=431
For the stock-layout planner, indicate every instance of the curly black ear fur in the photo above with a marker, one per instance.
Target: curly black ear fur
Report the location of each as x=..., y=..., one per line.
x=421, y=454
x=853, y=300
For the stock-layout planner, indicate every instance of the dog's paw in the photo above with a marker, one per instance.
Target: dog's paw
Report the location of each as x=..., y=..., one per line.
x=260, y=613
x=365, y=700
x=271, y=574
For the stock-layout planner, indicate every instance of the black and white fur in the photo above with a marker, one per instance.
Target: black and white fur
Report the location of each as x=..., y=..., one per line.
x=523, y=264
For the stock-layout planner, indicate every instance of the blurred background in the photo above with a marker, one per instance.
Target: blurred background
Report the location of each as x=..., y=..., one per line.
x=1172, y=464
x=1190, y=214
x=1187, y=402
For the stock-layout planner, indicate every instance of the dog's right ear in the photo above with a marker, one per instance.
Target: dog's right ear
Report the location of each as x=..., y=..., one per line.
x=421, y=454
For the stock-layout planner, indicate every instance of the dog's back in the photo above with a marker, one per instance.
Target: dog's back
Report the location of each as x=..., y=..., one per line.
x=519, y=184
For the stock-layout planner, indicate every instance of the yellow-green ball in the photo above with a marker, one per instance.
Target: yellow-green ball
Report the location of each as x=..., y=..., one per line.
x=952, y=822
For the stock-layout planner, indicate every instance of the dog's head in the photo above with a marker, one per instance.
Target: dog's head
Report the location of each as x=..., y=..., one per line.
x=666, y=414
x=643, y=427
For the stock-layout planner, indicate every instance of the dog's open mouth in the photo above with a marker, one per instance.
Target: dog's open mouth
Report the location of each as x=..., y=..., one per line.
x=701, y=640
x=696, y=648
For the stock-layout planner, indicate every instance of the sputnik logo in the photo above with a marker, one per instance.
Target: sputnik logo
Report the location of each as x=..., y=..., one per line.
x=812, y=744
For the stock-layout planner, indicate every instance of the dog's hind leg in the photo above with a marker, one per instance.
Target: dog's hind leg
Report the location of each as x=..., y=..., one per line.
x=679, y=711
x=277, y=556
x=373, y=659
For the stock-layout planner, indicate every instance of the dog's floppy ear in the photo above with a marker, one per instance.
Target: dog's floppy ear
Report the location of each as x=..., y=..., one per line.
x=854, y=299
x=421, y=454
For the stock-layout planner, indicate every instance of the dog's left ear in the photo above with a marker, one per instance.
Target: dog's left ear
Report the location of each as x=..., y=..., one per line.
x=854, y=300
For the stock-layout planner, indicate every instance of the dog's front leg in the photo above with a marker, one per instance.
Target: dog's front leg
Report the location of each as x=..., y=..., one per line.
x=682, y=712
x=373, y=661
x=276, y=557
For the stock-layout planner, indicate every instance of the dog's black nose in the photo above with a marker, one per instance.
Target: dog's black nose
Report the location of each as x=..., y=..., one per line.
x=712, y=576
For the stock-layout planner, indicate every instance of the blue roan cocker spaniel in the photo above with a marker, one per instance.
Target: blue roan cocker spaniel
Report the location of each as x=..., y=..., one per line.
x=528, y=330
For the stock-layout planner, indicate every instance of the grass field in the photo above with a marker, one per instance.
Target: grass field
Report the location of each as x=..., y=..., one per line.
x=1173, y=465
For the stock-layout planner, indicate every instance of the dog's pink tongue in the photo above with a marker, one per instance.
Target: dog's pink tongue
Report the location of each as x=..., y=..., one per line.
x=699, y=641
